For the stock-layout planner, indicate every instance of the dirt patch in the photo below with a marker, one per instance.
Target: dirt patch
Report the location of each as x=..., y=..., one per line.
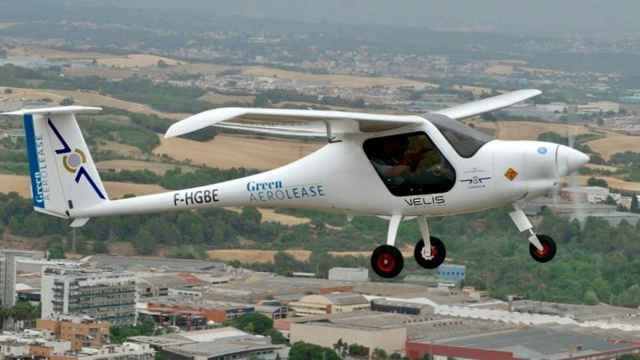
x=89, y=98
x=614, y=183
x=273, y=216
x=615, y=144
x=528, y=130
x=220, y=99
x=53, y=54
x=229, y=151
x=22, y=185
x=347, y=81
x=135, y=61
x=121, y=249
x=122, y=149
x=254, y=256
x=133, y=165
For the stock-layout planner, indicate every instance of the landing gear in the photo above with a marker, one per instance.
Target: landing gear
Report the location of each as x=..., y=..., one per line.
x=430, y=258
x=541, y=247
x=547, y=252
x=387, y=261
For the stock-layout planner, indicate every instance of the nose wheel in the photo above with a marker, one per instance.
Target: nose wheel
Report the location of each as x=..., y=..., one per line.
x=541, y=247
x=432, y=256
x=546, y=253
x=387, y=261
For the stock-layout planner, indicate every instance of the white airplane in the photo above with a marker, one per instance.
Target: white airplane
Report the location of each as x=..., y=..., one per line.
x=398, y=167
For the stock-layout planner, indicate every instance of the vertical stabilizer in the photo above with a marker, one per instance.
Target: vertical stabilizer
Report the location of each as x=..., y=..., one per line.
x=63, y=174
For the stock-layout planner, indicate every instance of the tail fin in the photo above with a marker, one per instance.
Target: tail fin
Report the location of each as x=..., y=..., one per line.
x=63, y=174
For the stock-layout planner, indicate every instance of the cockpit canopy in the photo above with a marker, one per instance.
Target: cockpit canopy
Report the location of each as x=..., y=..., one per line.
x=464, y=139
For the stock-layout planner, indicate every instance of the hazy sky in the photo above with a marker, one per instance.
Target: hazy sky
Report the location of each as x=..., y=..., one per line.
x=546, y=17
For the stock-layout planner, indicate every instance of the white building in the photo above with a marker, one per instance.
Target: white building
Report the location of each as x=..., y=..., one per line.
x=8, y=259
x=103, y=295
x=126, y=351
x=585, y=194
x=349, y=274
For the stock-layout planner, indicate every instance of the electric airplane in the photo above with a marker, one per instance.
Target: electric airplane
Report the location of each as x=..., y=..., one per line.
x=398, y=167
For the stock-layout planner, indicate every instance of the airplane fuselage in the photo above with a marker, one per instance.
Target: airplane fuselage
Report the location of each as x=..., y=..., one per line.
x=340, y=177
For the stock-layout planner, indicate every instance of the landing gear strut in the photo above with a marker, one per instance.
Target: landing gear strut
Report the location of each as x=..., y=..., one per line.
x=429, y=252
x=541, y=247
x=387, y=260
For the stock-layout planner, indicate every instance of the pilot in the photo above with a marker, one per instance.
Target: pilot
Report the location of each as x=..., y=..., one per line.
x=390, y=160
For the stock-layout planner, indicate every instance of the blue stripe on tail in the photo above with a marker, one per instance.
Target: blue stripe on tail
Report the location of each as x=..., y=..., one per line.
x=37, y=190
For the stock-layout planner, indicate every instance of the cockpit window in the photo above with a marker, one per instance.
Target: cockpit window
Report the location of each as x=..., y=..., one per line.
x=464, y=139
x=410, y=164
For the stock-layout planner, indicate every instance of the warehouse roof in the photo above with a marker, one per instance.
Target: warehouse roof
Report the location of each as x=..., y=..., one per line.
x=540, y=343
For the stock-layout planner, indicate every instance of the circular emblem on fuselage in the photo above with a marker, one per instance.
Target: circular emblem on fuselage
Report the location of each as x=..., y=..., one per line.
x=542, y=150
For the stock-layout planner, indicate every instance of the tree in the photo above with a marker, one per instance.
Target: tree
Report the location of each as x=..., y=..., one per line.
x=590, y=297
x=67, y=101
x=277, y=337
x=55, y=252
x=304, y=351
x=162, y=64
x=379, y=354
x=356, y=350
x=255, y=323
x=597, y=182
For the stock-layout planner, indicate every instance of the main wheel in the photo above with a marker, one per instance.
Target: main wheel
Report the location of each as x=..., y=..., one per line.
x=387, y=261
x=432, y=259
x=548, y=249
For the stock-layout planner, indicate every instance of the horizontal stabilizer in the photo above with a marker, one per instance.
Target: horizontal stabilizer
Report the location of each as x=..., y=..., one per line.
x=73, y=109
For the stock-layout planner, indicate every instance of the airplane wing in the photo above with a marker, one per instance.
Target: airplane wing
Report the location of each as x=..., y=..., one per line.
x=309, y=123
x=489, y=104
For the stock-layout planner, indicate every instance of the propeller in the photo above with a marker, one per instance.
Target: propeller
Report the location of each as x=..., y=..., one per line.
x=568, y=161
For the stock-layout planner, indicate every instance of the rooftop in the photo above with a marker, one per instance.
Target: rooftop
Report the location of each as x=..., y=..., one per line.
x=190, y=337
x=153, y=263
x=223, y=347
x=539, y=343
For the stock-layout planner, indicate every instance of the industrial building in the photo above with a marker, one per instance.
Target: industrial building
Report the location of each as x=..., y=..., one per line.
x=451, y=272
x=329, y=304
x=102, y=295
x=399, y=307
x=79, y=331
x=239, y=349
x=273, y=309
x=527, y=343
x=369, y=329
x=348, y=274
x=214, y=311
x=218, y=344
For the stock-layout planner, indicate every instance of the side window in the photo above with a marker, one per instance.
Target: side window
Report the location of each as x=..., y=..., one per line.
x=410, y=164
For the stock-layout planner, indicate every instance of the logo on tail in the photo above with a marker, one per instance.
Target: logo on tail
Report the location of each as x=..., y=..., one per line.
x=73, y=161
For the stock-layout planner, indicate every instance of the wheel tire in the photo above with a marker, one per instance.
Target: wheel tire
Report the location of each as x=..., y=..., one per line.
x=438, y=251
x=548, y=251
x=387, y=261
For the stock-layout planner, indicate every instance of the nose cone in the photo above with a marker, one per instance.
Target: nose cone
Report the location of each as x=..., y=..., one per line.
x=569, y=160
